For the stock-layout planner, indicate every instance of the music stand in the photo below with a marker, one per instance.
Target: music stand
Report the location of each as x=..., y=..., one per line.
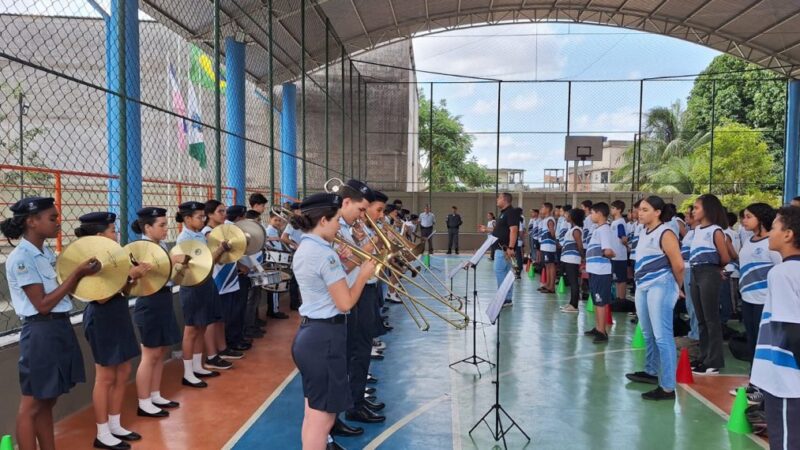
x=472, y=263
x=500, y=430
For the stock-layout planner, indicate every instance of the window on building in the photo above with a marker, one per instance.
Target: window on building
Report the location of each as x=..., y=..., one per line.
x=604, y=177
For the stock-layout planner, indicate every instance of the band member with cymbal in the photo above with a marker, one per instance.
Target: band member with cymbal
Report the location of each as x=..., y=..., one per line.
x=234, y=311
x=47, y=338
x=154, y=316
x=109, y=331
x=319, y=349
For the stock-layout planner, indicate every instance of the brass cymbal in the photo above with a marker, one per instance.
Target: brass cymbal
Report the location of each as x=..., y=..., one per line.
x=199, y=266
x=160, y=271
x=113, y=273
x=255, y=235
x=236, y=240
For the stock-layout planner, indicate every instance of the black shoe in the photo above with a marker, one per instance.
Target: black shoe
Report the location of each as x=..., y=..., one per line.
x=342, y=429
x=254, y=334
x=169, y=404
x=364, y=415
x=241, y=347
x=387, y=326
x=369, y=390
x=659, y=394
x=456, y=252
x=600, y=338
x=261, y=322
x=376, y=356
x=142, y=413
x=121, y=446
x=278, y=315
x=371, y=398
x=592, y=332
x=230, y=354
x=334, y=446
x=218, y=363
x=703, y=370
x=642, y=377
x=200, y=384
x=449, y=253
x=132, y=436
x=374, y=406
x=210, y=374
x=371, y=379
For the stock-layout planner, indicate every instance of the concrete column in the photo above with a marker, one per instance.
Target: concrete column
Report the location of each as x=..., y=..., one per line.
x=791, y=181
x=133, y=123
x=289, y=140
x=235, y=171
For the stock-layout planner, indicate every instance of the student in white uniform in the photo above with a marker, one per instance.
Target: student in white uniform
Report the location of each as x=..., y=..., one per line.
x=547, y=225
x=47, y=338
x=319, y=349
x=599, y=254
x=658, y=273
x=572, y=256
x=619, y=243
x=776, y=367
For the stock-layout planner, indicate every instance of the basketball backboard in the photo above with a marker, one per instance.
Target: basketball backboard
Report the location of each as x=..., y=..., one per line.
x=584, y=148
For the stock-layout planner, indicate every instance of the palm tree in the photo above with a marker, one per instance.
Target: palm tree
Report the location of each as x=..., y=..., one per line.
x=663, y=162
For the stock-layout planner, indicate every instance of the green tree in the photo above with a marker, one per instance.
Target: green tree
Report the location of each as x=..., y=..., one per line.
x=744, y=94
x=35, y=182
x=454, y=166
x=742, y=163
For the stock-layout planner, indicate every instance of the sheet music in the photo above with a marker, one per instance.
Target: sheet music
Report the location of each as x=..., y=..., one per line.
x=455, y=270
x=493, y=310
x=476, y=258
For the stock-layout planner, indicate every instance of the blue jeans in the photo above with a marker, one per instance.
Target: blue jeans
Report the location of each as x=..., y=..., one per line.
x=501, y=268
x=654, y=306
x=694, y=328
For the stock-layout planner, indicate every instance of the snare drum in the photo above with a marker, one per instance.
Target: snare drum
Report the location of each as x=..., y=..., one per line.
x=279, y=258
x=281, y=284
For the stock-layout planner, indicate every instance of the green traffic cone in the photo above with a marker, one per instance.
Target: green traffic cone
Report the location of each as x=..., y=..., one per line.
x=614, y=291
x=589, y=305
x=426, y=259
x=561, y=288
x=638, y=338
x=6, y=443
x=738, y=422
x=532, y=273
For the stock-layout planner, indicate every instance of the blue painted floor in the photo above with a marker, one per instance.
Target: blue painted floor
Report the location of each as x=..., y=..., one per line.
x=565, y=391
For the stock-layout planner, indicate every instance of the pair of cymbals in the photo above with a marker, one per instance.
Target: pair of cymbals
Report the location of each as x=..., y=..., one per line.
x=115, y=265
x=245, y=237
x=196, y=266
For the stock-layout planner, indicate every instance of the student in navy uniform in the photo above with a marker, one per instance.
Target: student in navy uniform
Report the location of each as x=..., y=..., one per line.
x=708, y=255
x=109, y=331
x=776, y=367
x=154, y=316
x=319, y=349
x=233, y=311
x=659, y=274
x=47, y=339
x=195, y=299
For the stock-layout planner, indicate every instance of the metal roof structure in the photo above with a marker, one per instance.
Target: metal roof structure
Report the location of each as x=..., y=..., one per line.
x=765, y=32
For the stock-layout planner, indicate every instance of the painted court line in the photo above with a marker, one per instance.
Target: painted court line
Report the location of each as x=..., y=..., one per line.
x=249, y=423
x=760, y=442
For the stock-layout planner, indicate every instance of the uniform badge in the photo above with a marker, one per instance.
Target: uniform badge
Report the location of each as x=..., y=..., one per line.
x=21, y=268
x=332, y=262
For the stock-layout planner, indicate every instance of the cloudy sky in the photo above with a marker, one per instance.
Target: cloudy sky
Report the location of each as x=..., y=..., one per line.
x=534, y=114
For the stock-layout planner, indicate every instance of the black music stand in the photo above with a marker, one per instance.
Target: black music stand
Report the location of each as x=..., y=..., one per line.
x=500, y=429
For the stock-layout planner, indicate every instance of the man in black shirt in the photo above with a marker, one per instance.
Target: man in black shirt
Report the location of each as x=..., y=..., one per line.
x=453, y=224
x=506, y=230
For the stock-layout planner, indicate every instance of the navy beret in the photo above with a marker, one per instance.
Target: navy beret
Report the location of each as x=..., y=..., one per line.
x=379, y=197
x=151, y=211
x=389, y=208
x=360, y=186
x=236, y=211
x=321, y=200
x=192, y=206
x=294, y=205
x=100, y=217
x=32, y=205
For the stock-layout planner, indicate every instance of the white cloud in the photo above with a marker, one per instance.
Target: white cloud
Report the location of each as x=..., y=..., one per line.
x=617, y=124
x=484, y=107
x=522, y=103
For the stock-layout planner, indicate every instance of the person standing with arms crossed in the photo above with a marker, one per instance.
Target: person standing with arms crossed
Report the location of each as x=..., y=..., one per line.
x=426, y=222
x=454, y=222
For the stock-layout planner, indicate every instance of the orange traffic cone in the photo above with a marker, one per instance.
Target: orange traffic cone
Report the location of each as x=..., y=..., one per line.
x=609, y=319
x=544, y=275
x=684, y=372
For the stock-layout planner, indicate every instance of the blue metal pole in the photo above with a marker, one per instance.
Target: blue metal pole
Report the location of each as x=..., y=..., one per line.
x=289, y=140
x=235, y=119
x=791, y=181
x=125, y=125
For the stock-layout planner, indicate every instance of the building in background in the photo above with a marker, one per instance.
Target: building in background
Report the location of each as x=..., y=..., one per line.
x=596, y=176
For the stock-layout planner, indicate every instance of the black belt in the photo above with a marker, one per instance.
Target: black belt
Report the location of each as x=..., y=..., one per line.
x=337, y=319
x=427, y=228
x=45, y=317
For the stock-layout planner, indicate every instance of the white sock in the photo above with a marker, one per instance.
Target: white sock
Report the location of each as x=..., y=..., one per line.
x=188, y=371
x=330, y=439
x=104, y=435
x=197, y=364
x=156, y=397
x=147, y=406
x=115, y=426
x=211, y=357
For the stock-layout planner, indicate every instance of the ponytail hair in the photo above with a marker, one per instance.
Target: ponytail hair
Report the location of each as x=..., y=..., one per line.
x=90, y=229
x=764, y=213
x=13, y=227
x=307, y=221
x=665, y=212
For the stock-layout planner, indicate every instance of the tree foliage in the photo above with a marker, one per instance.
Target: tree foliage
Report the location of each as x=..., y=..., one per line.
x=35, y=182
x=454, y=166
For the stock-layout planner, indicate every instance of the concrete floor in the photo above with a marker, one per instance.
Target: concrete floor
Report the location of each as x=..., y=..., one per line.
x=565, y=391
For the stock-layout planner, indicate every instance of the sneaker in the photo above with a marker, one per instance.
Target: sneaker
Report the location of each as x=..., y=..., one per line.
x=754, y=395
x=659, y=394
x=393, y=298
x=600, y=338
x=378, y=344
x=642, y=377
x=569, y=309
x=218, y=363
x=592, y=332
x=703, y=370
x=508, y=304
x=230, y=354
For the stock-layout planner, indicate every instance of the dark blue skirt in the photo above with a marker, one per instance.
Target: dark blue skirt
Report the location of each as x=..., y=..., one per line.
x=155, y=319
x=50, y=359
x=194, y=302
x=109, y=330
x=319, y=351
x=214, y=311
